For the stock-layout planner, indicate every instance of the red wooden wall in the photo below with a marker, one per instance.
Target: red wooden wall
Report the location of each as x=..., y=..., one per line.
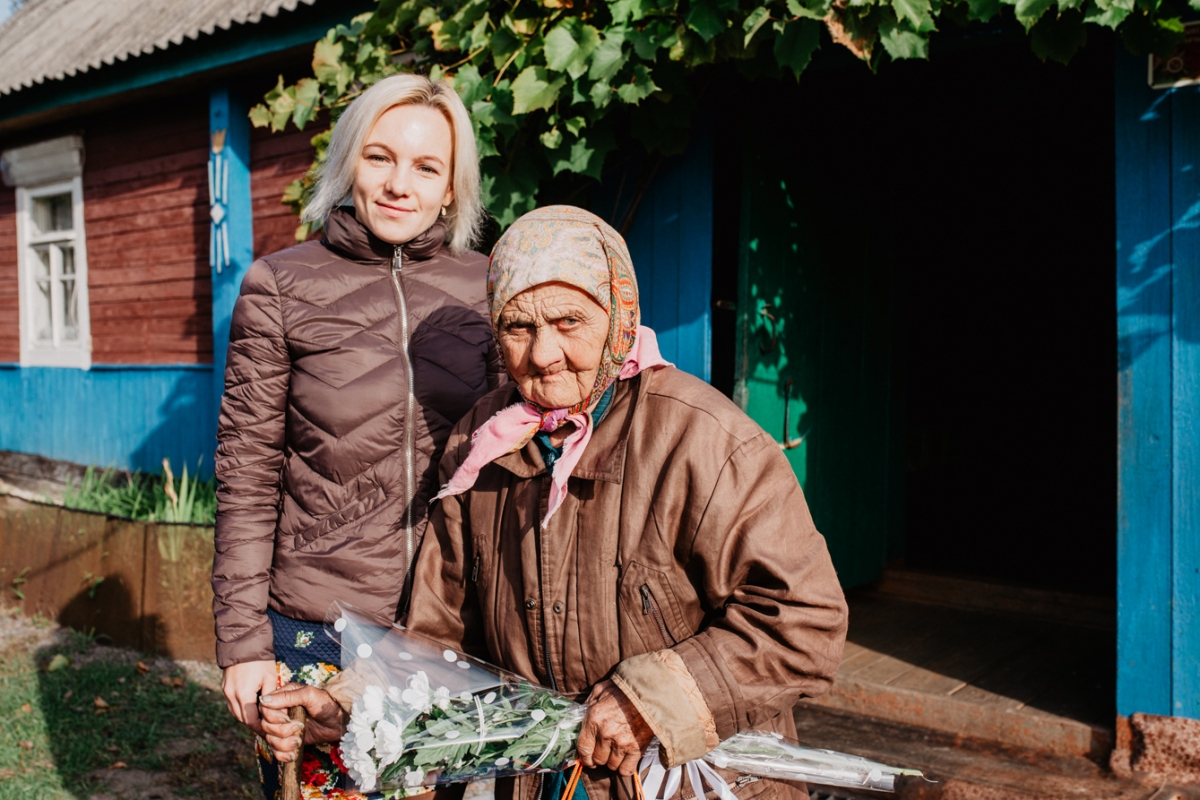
x=10, y=343
x=277, y=159
x=145, y=197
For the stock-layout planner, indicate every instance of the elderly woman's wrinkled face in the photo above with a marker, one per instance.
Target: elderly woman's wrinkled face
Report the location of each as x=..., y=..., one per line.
x=403, y=177
x=553, y=339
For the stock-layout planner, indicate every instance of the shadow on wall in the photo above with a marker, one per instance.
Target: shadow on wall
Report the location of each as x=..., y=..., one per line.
x=1146, y=263
x=185, y=429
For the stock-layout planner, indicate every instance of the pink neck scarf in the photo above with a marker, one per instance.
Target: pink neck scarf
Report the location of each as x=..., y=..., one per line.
x=513, y=427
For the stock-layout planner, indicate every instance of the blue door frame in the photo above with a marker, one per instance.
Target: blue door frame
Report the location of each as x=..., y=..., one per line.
x=1158, y=330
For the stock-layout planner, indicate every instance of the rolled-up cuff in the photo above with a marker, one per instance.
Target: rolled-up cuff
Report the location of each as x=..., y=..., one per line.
x=663, y=690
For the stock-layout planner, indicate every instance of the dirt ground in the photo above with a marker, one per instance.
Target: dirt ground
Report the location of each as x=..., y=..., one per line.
x=217, y=762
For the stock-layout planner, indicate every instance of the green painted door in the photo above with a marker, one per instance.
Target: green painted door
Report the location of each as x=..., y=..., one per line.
x=816, y=331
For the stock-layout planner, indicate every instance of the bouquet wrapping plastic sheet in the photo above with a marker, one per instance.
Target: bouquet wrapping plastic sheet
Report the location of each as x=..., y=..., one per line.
x=426, y=715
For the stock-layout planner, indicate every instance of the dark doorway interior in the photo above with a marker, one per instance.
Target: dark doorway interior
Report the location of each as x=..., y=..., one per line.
x=984, y=178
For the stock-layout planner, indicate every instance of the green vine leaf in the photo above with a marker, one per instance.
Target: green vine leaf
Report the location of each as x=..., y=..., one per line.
x=540, y=78
x=533, y=90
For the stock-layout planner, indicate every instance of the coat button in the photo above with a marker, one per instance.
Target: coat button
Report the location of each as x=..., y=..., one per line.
x=558, y=608
x=530, y=604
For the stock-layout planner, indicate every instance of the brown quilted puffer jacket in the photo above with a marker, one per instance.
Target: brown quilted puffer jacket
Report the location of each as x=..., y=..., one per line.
x=336, y=410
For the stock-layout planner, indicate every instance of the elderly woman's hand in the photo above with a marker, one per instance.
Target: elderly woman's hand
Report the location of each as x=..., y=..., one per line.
x=326, y=721
x=613, y=732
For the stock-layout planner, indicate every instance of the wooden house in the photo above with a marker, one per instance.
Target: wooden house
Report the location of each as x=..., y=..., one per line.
x=905, y=278
x=111, y=149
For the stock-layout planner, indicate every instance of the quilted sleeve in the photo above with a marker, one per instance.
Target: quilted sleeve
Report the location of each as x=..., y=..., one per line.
x=250, y=452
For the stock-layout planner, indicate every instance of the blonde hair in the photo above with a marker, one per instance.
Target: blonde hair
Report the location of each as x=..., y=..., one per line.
x=335, y=176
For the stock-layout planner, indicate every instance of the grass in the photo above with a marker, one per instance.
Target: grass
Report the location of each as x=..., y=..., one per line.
x=150, y=498
x=66, y=723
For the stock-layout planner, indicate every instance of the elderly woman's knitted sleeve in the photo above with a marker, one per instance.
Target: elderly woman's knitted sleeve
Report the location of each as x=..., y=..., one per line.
x=779, y=637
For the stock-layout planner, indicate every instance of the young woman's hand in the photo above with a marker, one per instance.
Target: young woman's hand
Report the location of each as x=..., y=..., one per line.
x=326, y=720
x=242, y=685
x=613, y=733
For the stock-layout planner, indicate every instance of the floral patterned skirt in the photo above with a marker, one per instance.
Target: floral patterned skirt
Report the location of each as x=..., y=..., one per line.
x=304, y=654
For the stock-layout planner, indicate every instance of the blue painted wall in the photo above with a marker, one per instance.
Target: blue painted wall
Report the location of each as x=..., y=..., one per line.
x=1158, y=318
x=670, y=241
x=125, y=417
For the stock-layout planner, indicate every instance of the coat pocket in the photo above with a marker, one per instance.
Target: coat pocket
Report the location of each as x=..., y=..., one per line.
x=652, y=608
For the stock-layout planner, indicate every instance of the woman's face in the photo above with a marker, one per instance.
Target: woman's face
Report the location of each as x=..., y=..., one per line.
x=553, y=338
x=403, y=175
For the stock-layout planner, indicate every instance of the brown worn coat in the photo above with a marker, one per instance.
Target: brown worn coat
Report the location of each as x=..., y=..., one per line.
x=320, y=447
x=684, y=532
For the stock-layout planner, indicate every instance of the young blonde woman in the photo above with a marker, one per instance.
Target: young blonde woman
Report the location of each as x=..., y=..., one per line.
x=350, y=359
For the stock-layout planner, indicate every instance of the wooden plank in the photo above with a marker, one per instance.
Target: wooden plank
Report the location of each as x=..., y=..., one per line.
x=189, y=270
x=1185, y=422
x=140, y=293
x=178, y=620
x=1144, y=393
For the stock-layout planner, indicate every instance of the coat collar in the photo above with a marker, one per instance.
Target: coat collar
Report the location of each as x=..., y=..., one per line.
x=345, y=233
x=604, y=458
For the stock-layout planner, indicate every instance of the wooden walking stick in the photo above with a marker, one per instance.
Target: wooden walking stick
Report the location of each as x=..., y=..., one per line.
x=289, y=772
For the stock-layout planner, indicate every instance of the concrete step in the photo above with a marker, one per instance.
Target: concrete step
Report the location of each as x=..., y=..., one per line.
x=959, y=767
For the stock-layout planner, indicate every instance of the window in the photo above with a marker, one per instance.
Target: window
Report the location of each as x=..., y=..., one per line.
x=51, y=258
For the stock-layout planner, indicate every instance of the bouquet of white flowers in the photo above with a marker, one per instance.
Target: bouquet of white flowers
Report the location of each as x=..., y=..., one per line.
x=426, y=715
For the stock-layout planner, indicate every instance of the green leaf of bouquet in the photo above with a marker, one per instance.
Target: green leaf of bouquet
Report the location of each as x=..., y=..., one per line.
x=795, y=46
x=533, y=90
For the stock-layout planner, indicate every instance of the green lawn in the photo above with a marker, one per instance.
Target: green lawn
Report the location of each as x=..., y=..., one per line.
x=64, y=725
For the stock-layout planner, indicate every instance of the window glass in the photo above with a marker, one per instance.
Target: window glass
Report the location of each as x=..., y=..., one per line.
x=52, y=213
x=70, y=303
x=42, y=302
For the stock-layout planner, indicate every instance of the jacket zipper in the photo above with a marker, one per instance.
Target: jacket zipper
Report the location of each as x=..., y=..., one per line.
x=410, y=402
x=650, y=607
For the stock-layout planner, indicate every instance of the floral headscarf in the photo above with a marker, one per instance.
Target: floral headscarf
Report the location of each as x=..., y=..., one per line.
x=567, y=245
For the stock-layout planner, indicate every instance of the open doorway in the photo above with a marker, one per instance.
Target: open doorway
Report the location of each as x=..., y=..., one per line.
x=924, y=313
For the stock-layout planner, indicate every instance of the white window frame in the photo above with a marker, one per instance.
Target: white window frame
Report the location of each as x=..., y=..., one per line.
x=58, y=352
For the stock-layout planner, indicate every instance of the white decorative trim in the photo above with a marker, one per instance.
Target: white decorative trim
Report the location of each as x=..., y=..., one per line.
x=51, y=161
x=59, y=352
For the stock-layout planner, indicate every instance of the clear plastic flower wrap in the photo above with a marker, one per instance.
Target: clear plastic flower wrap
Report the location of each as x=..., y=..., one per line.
x=769, y=755
x=424, y=715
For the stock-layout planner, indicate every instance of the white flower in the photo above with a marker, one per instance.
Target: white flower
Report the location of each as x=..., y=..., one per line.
x=363, y=772
x=372, y=703
x=389, y=742
x=358, y=760
x=361, y=729
x=417, y=695
x=413, y=778
x=442, y=698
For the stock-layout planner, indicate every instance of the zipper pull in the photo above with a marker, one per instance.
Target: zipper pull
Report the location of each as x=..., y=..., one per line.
x=475, y=571
x=397, y=259
x=645, y=590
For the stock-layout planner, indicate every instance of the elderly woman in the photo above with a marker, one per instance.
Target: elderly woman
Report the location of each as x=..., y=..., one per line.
x=616, y=529
x=350, y=358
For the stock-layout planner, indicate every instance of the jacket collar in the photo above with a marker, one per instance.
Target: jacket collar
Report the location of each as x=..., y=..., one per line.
x=604, y=458
x=345, y=233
